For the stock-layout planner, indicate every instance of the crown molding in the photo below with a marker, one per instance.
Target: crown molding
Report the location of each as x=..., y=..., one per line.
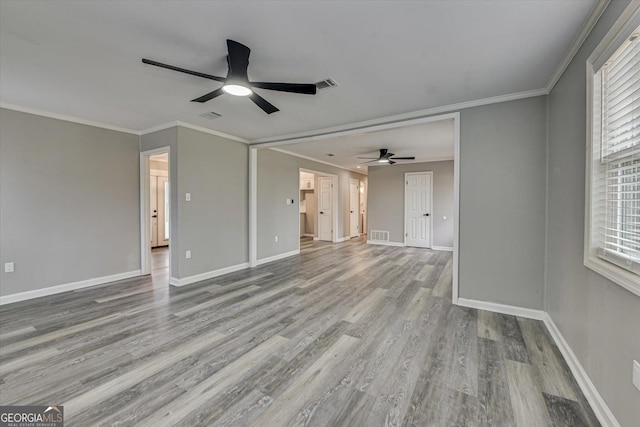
x=193, y=127
x=290, y=153
x=596, y=12
x=389, y=121
x=65, y=118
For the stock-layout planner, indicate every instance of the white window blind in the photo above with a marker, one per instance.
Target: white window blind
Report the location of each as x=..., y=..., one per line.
x=617, y=179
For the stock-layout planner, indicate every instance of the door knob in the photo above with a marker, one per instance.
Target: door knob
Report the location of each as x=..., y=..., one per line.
x=154, y=216
x=321, y=212
x=351, y=211
x=426, y=214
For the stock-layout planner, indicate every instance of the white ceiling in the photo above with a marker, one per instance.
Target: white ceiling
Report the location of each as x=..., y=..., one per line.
x=427, y=142
x=82, y=59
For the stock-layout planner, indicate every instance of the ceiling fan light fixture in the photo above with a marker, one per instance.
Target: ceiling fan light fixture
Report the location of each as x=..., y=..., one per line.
x=383, y=161
x=236, y=89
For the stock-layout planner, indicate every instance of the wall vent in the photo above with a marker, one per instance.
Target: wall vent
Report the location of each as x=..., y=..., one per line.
x=378, y=236
x=210, y=115
x=326, y=83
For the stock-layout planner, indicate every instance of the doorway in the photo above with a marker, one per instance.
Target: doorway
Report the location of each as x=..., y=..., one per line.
x=354, y=208
x=318, y=198
x=418, y=206
x=155, y=218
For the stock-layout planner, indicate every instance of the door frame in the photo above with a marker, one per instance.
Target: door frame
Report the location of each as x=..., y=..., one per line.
x=406, y=199
x=334, y=205
x=394, y=122
x=145, y=209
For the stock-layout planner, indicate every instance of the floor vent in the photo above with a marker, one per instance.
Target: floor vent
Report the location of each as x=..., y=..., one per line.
x=326, y=83
x=378, y=236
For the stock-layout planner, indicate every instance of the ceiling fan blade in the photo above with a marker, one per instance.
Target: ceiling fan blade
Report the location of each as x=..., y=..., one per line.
x=183, y=70
x=368, y=158
x=391, y=162
x=304, y=88
x=209, y=96
x=371, y=161
x=238, y=60
x=263, y=103
x=402, y=158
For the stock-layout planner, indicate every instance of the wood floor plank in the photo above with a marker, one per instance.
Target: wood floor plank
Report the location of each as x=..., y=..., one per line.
x=343, y=334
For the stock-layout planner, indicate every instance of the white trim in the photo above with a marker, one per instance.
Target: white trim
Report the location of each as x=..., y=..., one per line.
x=390, y=122
x=290, y=153
x=512, y=310
x=616, y=274
x=343, y=239
x=406, y=177
x=66, y=118
x=597, y=11
x=382, y=243
x=308, y=235
x=277, y=257
x=37, y=293
x=442, y=248
x=597, y=403
x=208, y=275
x=619, y=32
x=316, y=239
x=202, y=129
x=174, y=281
x=253, y=206
x=456, y=206
x=357, y=182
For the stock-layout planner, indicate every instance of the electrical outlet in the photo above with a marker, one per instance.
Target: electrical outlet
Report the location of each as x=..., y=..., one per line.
x=276, y=239
x=636, y=374
x=8, y=267
x=188, y=254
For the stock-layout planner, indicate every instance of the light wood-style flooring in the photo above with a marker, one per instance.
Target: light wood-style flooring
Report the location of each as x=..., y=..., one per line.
x=343, y=335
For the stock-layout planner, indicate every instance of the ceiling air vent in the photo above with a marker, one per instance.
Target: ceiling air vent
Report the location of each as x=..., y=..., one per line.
x=326, y=83
x=210, y=115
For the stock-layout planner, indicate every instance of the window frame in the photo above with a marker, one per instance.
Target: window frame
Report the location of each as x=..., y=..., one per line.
x=626, y=24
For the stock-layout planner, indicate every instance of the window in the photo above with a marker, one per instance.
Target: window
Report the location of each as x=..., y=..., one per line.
x=612, y=235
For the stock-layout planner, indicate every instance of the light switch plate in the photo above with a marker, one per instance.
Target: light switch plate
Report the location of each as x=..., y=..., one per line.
x=636, y=374
x=9, y=267
x=187, y=197
x=188, y=254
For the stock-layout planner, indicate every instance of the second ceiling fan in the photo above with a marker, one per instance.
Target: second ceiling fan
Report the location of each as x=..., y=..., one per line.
x=237, y=81
x=385, y=157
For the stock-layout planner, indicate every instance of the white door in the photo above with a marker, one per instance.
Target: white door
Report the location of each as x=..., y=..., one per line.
x=325, y=209
x=363, y=207
x=418, y=215
x=154, y=210
x=163, y=211
x=354, y=207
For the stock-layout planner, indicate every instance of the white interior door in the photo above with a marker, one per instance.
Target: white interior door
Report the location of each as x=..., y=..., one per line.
x=418, y=215
x=354, y=207
x=163, y=211
x=154, y=210
x=363, y=207
x=325, y=209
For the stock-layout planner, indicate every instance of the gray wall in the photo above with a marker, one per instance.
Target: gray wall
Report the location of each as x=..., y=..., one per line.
x=161, y=139
x=279, y=179
x=214, y=224
x=69, y=207
x=386, y=199
x=599, y=319
x=502, y=202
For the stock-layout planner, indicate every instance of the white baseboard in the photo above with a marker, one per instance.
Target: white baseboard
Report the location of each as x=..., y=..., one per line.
x=442, y=248
x=598, y=405
x=37, y=293
x=277, y=257
x=308, y=235
x=379, y=242
x=316, y=238
x=341, y=239
x=503, y=308
x=208, y=275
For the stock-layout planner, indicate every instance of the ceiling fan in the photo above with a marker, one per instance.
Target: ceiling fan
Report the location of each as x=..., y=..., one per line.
x=237, y=81
x=385, y=157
